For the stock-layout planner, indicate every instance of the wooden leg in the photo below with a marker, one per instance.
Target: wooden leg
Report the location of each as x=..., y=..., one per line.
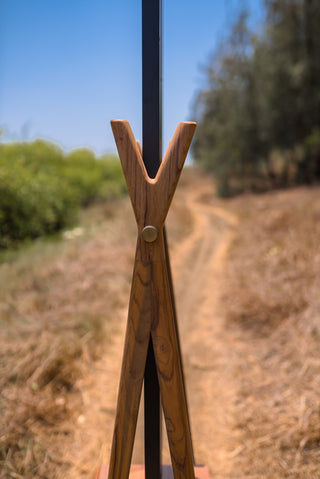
x=132, y=373
x=176, y=326
x=167, y=356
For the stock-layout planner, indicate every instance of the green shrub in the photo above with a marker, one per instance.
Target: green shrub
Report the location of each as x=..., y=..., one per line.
x=93, y=179
x=32, y=205
x=41, y=188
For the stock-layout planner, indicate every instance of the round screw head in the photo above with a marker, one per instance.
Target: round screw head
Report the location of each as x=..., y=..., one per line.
x=149, y=233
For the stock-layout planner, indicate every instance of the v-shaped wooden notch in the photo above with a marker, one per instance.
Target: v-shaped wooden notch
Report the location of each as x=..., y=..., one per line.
x=150, y=308
x=151, y=198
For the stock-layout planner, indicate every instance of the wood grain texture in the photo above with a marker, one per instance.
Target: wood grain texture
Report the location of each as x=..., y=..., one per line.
x=176, y=327
x=132, y=372
x=168, y=361
x=151, y=310
x=151, y=197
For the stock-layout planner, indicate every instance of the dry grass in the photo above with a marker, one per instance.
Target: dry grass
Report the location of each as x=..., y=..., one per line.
x=57, y=301
x=272, y=298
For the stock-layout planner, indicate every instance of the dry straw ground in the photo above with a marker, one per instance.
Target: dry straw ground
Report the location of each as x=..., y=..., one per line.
x=59, y=303
x=254, y=364
x=272, y=296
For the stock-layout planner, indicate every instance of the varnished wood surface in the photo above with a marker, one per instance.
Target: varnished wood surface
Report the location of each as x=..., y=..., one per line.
x=150, y=309
x=137, y=472
x=166, y=351
x=176, y=327
x=151, y=197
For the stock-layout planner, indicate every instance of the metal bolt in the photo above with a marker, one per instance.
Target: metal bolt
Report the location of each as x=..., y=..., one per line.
x=149, y=233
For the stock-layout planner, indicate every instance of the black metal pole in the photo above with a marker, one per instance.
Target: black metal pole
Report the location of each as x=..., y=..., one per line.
x=152, y=154
x=151, y=85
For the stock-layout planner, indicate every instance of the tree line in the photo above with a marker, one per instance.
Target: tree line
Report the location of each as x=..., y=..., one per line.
x=259, y=113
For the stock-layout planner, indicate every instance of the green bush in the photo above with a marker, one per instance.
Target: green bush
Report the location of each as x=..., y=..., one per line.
x=41, y=189
x=92, y=179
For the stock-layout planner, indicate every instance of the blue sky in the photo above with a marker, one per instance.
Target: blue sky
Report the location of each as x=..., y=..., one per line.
x=67, y=67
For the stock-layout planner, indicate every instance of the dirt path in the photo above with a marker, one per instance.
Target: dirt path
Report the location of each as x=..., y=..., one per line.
x=207, y=348
x=209, y=355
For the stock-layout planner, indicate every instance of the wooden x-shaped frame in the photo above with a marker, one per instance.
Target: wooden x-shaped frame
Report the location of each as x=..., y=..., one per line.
x=151, y=308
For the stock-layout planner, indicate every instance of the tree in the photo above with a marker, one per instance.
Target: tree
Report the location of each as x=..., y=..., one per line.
x=227, y=142
x=263, y=97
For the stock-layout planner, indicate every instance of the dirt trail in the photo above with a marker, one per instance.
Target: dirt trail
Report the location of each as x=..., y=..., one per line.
x=209, y=355
x=206, y=347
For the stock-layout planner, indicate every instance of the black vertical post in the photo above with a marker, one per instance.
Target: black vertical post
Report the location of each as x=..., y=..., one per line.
x=151, y=85
x=151, y=145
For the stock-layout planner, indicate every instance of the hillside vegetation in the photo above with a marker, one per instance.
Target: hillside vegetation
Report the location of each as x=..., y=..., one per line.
x=42, y=188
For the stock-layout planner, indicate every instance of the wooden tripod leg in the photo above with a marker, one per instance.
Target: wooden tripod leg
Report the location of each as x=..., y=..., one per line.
x=168, y=362
x=132, y=373
x=175, y=321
